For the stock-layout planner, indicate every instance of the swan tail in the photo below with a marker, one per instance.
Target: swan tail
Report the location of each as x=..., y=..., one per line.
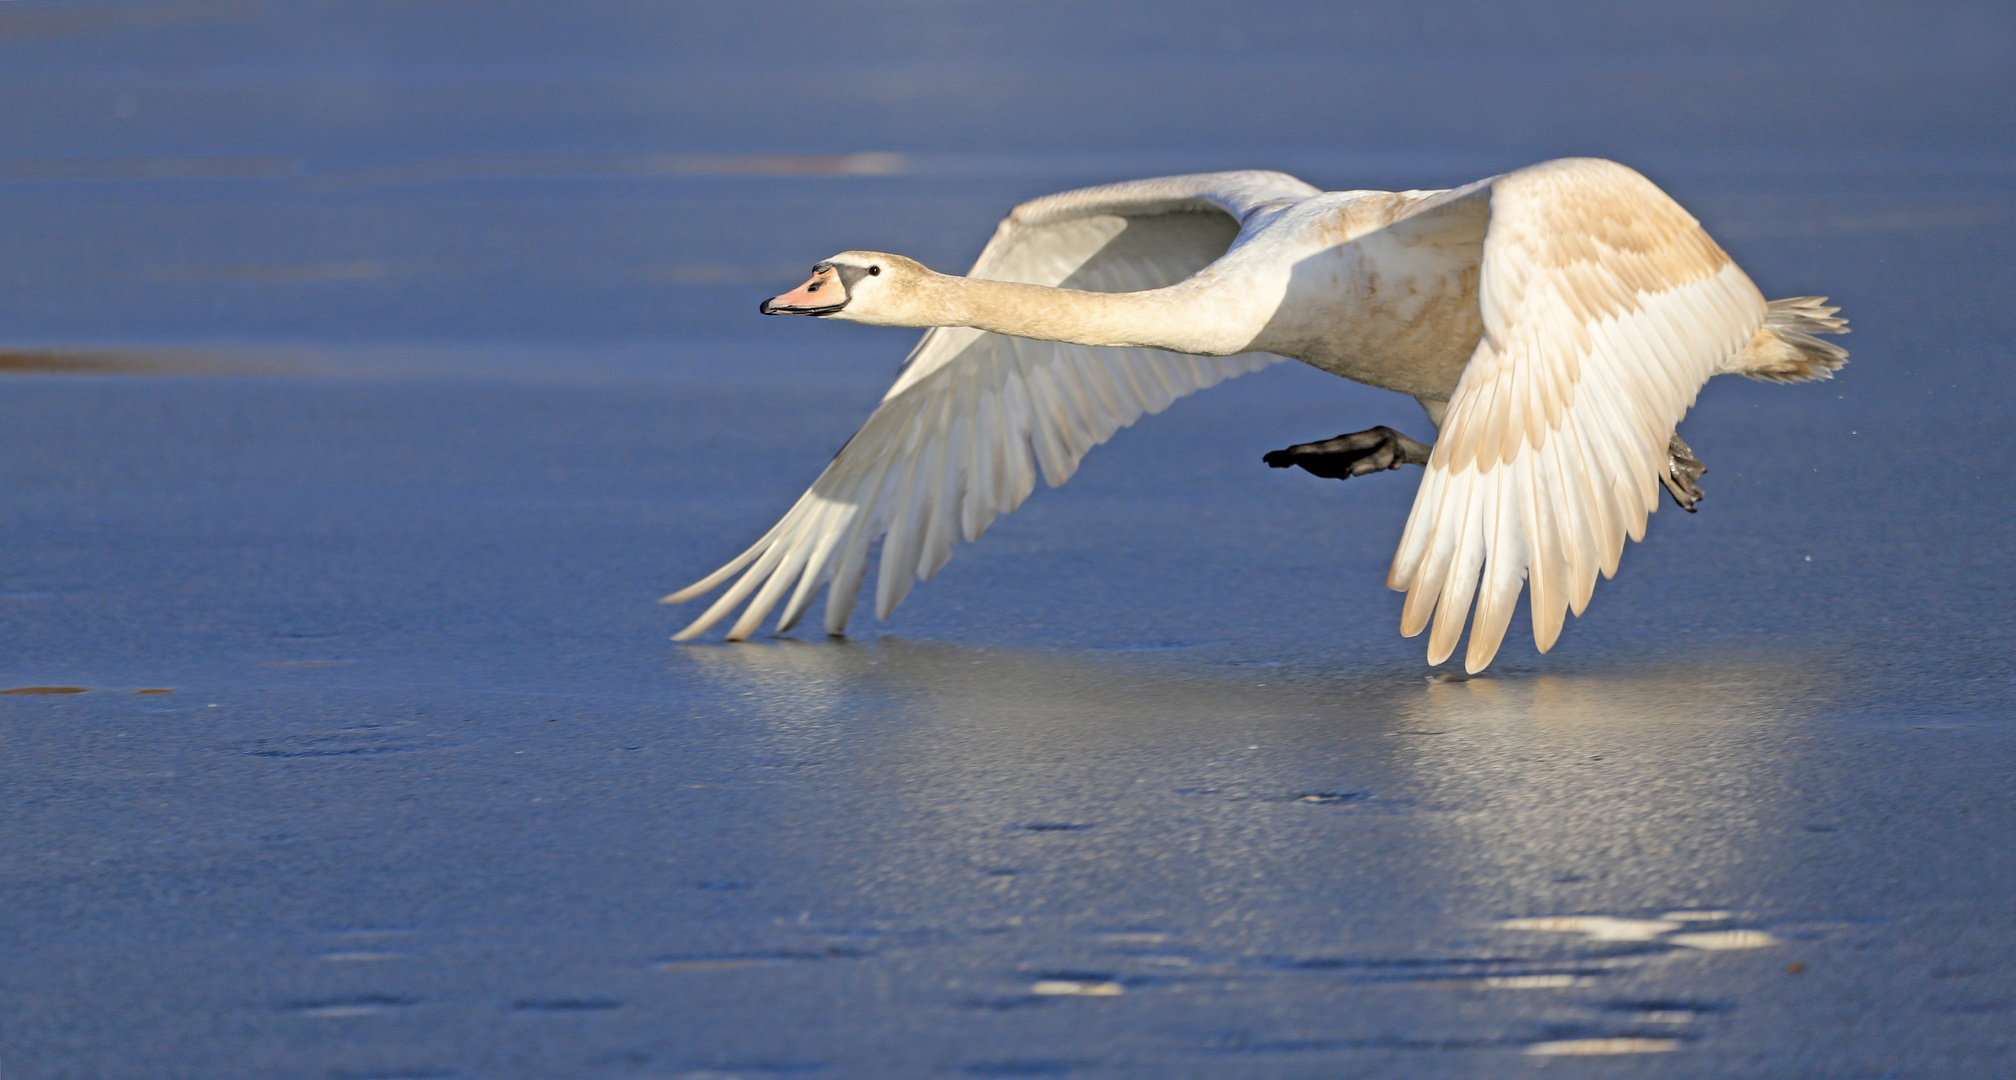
x=1785, y=350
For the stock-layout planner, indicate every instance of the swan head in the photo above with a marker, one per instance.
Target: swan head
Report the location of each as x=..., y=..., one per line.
x=869, y=287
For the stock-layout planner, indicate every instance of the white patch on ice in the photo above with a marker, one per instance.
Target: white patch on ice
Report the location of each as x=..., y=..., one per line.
x=1718, y=940
x=1585, y=1047
x=1530, y=982
x=1595, y=927
x=1074, y=988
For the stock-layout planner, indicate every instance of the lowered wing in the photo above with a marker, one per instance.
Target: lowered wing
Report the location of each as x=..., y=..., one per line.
x=1605, y=308
x=973, y=416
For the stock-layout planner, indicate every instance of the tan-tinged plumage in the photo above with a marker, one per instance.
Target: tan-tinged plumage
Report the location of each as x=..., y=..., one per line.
x=1556, y=322
x=1605, y=309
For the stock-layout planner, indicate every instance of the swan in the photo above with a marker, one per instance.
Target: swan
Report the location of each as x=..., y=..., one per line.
x=1555, y=322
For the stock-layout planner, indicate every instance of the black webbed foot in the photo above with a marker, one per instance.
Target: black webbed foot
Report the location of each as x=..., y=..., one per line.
x=1356, y=454
x=1683, y=470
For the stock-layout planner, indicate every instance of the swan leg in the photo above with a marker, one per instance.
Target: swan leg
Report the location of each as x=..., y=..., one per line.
x=1356, y=454
x=1683, y=470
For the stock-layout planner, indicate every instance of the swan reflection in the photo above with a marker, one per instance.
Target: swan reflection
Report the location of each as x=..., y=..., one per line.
x=1512, y=792
x=1345, y=844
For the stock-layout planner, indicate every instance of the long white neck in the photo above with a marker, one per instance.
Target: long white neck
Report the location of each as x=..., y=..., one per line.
x=1186, y=317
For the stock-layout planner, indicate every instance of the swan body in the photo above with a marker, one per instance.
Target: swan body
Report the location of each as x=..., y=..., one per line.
x=1555, y=322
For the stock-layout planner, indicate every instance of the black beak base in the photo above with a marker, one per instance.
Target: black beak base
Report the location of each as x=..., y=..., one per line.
x=768, y=308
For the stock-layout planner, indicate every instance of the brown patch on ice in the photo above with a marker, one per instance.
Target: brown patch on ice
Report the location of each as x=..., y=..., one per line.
x=108, y=167
x=88, y=361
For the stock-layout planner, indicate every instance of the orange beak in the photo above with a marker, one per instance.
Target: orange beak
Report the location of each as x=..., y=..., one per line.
x=824, y=294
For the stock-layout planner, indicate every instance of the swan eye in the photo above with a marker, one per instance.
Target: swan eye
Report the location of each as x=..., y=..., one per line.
x=874, y=270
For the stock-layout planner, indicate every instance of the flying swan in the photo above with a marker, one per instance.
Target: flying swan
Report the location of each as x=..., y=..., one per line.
x=1555, y=322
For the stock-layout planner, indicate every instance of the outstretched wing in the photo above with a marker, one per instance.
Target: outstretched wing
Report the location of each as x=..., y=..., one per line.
x=950, y=446
x=1605, y=308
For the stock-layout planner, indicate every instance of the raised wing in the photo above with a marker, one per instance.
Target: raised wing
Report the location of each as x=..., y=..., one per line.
x=1605, y=308
x=950, y=446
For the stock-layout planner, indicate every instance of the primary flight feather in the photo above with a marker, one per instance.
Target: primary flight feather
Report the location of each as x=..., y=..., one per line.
x=1555, y=322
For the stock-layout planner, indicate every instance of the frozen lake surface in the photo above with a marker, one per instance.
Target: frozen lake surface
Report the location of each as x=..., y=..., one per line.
x=367, y=372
